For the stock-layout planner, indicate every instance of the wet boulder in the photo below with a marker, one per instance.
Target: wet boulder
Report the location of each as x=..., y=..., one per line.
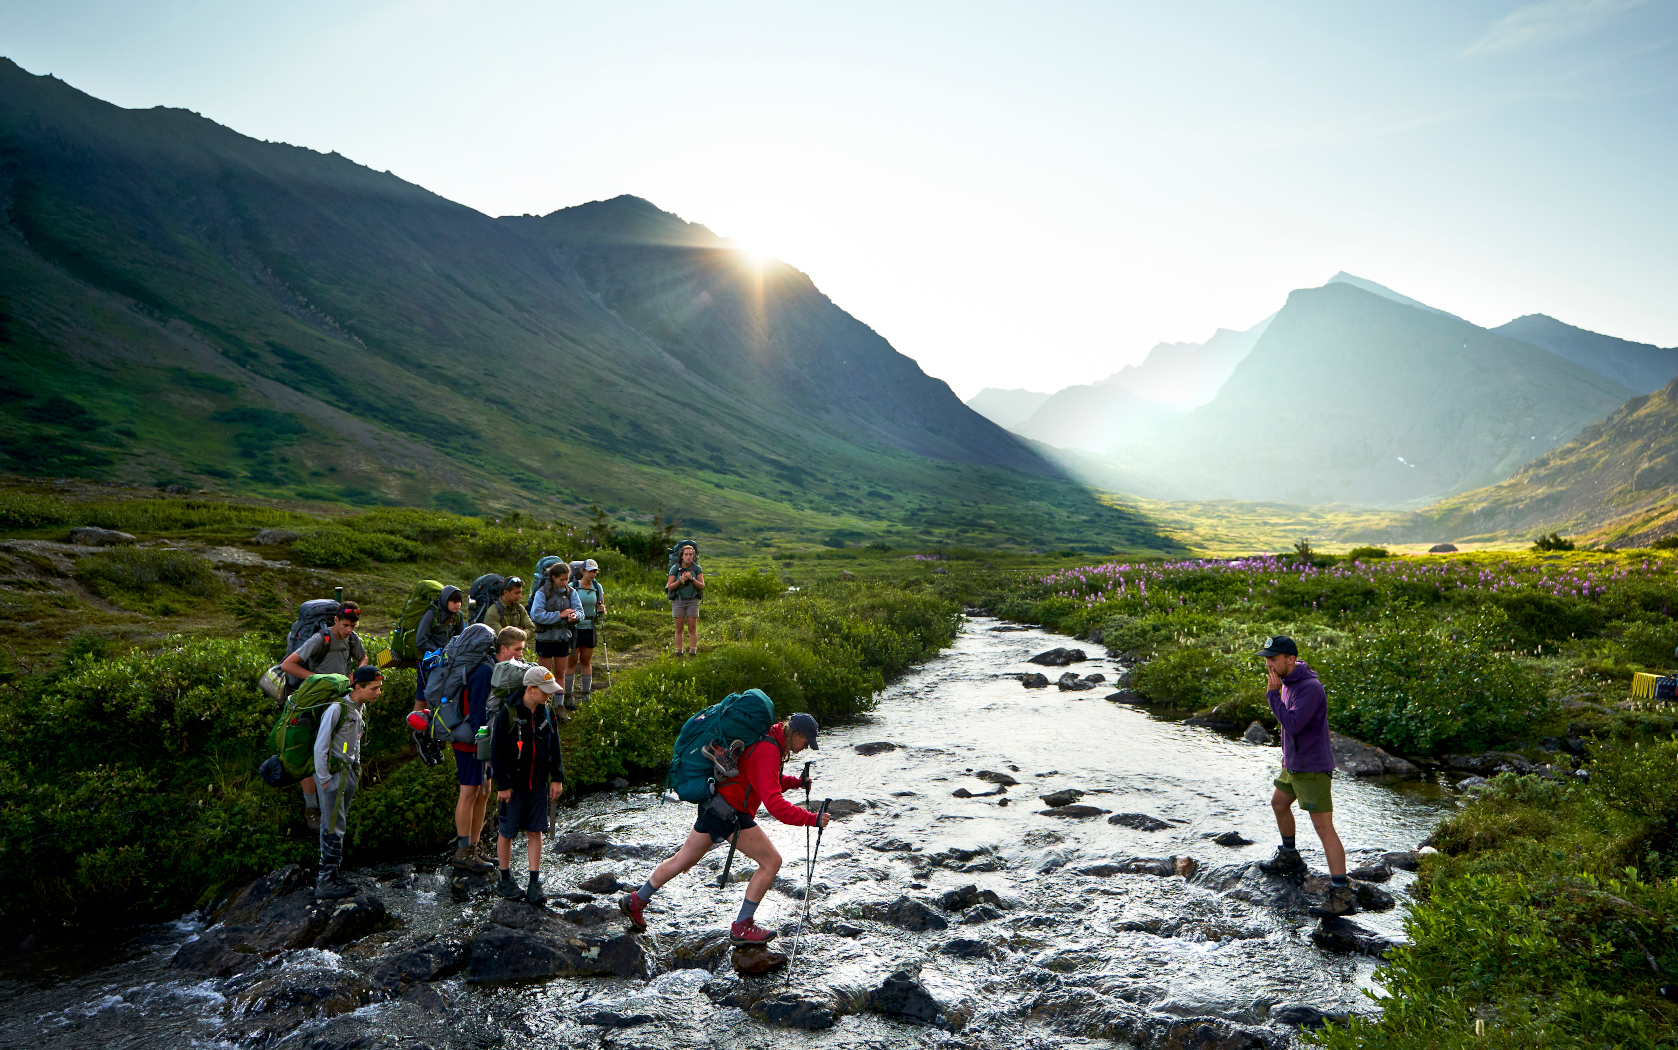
x=609, y=1018
x=1097, y=679
x=903, y=995
x=428, y=962
x=1402, y=860
x=1162, y=867
x=967, y=896
x=1059, y=657
x=578, y=842
x=1373, y=898
x=1257, y=734
x=968, y=948
x=796, y=1009
x=526, y=943
x=1138, y=821
x=964, y=793
x=1063, y=797
x=756, y=959
x=270, y=916
x=1379, y=871
x=275, y=1003
x=892, y=846
x=1034, y=681
x=605, y=882
x=991, y=776
x=1345, y=937
x=1215, y=720
x=1125, y=696
x=980, y=913
x=905, y=913
x=1359, y=759
x=1072, y=812
x=1232, y=838
x=1489, y=764
x=874, y=747
x=1071, y=683
x=1303, y=1015
x=840, y=808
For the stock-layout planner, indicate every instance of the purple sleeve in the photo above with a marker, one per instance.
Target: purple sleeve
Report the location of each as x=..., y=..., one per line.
x=1309, y=701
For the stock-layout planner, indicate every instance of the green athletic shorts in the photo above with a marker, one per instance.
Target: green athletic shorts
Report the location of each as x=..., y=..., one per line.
x=1311, y=789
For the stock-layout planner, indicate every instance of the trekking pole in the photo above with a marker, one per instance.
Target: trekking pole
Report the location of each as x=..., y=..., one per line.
x=733, y=840
x=809, y=881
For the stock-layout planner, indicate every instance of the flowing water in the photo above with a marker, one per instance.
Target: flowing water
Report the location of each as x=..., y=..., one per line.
x=1071, y=955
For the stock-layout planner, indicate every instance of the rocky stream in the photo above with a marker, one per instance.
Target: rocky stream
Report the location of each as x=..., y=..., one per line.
x=1013, y=867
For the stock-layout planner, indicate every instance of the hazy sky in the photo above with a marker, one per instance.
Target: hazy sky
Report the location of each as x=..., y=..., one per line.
x=1027, y=194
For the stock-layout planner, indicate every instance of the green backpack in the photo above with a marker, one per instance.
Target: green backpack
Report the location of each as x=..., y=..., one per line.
x=420, y=599
x=293, y=735
x=745, y=717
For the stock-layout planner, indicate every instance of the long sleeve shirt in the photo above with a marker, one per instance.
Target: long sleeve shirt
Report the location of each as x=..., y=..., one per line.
x=761, y=783
x=338, y=739
x=1301, y=709
x=525, y=749
x=552, y=614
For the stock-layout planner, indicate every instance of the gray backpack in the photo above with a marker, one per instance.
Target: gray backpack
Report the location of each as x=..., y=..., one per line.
x=468, y=651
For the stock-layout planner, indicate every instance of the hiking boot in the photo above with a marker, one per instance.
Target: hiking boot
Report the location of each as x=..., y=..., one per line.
x=507, y=889
x=533, y=894
x=1341, y=900
x=1285, y=862
x=571, y=702
x=311, y=817
x=333, y=887
x=631, y=906
x=748, y=933
x=468, y=860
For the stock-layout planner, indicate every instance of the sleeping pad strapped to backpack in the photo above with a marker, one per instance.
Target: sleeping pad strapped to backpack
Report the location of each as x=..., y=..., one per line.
x=293, y=735
x=745, y=717
x=421, y=598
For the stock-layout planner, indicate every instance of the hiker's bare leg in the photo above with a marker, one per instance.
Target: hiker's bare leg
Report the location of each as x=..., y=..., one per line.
x=308, y=785
x=697, y=845
x=504, y=851
x=533, y=849
x=480, y=804
x=584, y=662
x=468, y=813
x=679, y=620
x=1282, y=803
x=1333, y=851
x=756, y=845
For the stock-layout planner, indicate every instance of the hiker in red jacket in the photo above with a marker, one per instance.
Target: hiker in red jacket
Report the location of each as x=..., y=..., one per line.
x=733, y=811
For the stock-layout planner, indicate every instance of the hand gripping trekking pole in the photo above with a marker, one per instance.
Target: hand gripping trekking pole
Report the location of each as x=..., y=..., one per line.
x=809, y=879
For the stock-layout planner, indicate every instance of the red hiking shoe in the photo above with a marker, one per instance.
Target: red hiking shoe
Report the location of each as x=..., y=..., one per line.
x=749, y=932
x=631, y=906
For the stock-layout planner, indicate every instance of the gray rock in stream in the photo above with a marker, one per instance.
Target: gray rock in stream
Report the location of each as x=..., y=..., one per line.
x=1402, y=860
x=1071, y=683
x=431, y=961
x=1125, y=696
x=905, y=913
x=875, y=747
x=1034, y=681
x=1231, y=838
x=1376, y=872
x=1059, y=657
x=1345, y=937
x=903, y=995
x=1072, y=812
x=1366, y=760
x=1257, y=734
x=605, y=882
x=1139, y=821
x=1063, y=797
x=991, y=776
x=271, y=915
x=968, y=896
x=796, y=1009
x=548, y=945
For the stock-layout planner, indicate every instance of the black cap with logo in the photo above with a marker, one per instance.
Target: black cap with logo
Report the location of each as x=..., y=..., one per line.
x=1279, y=645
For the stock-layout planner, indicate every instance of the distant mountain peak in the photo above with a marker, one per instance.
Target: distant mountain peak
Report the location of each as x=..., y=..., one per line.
x=628, y=219
x=1383, y=291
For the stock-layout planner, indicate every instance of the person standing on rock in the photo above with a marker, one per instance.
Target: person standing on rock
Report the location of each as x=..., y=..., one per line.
x=529, y=773
x=733, y=811
x=338, y=650
x=338, y=772
x=1297, y=700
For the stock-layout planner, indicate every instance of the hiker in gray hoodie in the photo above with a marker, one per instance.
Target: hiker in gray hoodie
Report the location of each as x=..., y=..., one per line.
x=437, y=627
x=337, y=773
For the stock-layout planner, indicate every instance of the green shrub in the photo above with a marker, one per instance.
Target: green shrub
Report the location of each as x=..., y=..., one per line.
x=1541, y=618
x=335, y=547
x=1552, y=542
x=172, y=515
x=420, y=526
x=1365, y=553
x=25, y=510
x=1420, y=692
x=165, y=581
x=1147, y=635
x=745, y=586
x=410, y=809
x=1196, y=677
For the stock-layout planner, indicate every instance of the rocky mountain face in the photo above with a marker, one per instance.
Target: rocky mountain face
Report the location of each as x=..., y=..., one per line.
x=179, y=302
x=1616, y=480
x=1350, y=396
x=1643, y=367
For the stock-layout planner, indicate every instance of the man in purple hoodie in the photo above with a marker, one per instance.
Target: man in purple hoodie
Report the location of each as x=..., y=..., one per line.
x=1301, y=708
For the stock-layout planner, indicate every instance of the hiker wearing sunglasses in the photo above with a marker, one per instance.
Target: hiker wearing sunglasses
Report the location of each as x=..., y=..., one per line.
x=732, y=813
x=1297, y=700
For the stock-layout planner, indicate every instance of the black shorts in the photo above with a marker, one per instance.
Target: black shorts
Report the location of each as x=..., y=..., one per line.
x=585, y=638
x=525, y=811
x=552, y=650
x=719, y=829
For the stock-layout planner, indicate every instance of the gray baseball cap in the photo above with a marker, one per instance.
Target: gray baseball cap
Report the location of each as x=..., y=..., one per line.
x=803, y=724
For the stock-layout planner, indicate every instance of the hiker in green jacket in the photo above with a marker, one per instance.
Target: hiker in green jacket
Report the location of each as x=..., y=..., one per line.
x=509, y=610
x=338, y=772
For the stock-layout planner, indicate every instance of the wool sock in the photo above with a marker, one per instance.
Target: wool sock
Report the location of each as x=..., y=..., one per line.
x=748, y=908
x=645, y=893
x=463, y=842
x=585, y=683
x=570, y=679
x=311, y=799
x=1287, y=842
x=1338, y=880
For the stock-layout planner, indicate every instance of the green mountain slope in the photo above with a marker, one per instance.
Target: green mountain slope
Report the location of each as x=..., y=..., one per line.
x=182, y=303
x=1617, y=481
x=1350, y=397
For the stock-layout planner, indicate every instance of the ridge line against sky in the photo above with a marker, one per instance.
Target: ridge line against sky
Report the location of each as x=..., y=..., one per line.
x=1014, y=195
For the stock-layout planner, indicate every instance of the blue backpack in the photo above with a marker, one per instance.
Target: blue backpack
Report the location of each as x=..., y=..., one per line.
x=744, y=717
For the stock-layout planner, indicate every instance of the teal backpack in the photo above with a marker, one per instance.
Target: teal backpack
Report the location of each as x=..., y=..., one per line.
x=745, y=717
x=538, y=578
